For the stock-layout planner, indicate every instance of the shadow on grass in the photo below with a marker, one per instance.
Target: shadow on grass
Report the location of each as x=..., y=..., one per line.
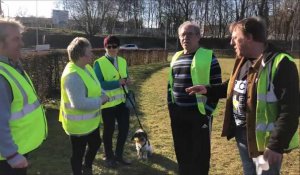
x=155, y=165
x=52, y=158
x=165, y=163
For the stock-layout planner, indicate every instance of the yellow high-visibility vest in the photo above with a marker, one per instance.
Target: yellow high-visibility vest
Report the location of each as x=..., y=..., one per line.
x=200, y=72
x=110, y=73
x=27, y=123
x=75, y=121
x=267, y=105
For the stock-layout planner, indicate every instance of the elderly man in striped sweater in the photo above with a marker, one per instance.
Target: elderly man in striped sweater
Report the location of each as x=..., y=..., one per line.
x=191, y=115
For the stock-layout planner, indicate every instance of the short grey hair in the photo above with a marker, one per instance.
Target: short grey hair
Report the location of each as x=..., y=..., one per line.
x=77, y=47
x=9, y=22
x=189, y=23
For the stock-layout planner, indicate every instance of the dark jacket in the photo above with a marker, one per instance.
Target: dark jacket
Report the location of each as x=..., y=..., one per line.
x=286, y=84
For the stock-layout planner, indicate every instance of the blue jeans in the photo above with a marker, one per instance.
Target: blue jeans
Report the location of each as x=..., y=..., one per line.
x=247, y=162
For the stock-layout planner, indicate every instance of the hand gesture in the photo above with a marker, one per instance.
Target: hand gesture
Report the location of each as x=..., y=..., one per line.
x=129, y=81
x=104, y=99
x=201, y=89
x=22, y=163
x=122, y=82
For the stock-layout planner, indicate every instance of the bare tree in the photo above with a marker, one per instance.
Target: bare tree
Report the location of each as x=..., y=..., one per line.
x=213, y=16
x=88, y=14
x=186, y=6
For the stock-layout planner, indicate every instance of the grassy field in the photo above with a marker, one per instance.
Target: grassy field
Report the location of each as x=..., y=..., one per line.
x=150, y=87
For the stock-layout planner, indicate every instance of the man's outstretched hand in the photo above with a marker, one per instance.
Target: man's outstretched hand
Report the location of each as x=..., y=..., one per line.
x=201, y=89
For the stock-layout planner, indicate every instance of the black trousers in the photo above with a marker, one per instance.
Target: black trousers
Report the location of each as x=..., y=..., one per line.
x=6, y=169
x=79, y=143
x=191, y=136
x=119, y=113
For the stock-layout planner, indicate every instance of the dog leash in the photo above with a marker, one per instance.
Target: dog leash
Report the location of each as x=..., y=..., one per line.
x=127, y=97
x=134, y=108
x=147, y=141
x=136, y=114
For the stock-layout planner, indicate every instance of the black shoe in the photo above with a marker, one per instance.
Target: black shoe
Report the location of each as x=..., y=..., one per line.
x=122, y=161
x=110, y=163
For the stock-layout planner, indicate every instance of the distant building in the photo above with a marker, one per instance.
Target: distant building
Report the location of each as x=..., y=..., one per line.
x=60, y=18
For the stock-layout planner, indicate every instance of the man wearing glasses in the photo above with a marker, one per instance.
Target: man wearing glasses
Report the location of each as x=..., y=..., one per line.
x=262, y=106
x=112, y=72
x=191, y=115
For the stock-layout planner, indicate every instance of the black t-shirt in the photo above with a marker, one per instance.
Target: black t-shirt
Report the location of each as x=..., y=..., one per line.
x=239, y=98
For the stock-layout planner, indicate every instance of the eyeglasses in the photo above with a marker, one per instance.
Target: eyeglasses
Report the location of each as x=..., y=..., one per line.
x=112, y=47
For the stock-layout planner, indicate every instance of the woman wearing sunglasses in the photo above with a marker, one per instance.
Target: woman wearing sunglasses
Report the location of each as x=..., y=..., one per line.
x=111, y=71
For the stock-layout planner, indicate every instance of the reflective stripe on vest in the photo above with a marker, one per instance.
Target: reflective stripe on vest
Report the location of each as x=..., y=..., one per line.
x=27, y=108
x=264, y=127
x=200, y=73
x=111, y=73
x=269, y=97
x=27, y=123
x=201, y=99
x=68, y=106
x=116, y=97
x=80, y=117
x=267, y=105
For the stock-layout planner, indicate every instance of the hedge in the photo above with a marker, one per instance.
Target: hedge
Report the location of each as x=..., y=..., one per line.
x=45, y=68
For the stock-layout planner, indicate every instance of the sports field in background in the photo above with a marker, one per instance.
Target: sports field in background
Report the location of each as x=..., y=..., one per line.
x=150, y=86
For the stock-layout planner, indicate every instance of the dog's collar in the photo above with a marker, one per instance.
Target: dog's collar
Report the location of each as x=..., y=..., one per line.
x=142, y=146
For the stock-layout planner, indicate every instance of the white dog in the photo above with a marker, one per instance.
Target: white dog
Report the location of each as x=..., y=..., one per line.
x=142, y=144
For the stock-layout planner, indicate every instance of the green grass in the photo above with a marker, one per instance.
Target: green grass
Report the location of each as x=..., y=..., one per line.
x=150, y=85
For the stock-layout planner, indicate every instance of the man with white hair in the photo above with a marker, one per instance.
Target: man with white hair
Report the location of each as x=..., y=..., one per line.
x=191, y=115
x=23, y=124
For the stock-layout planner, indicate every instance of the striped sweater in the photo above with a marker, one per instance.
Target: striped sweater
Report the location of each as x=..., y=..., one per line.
x=181, y=72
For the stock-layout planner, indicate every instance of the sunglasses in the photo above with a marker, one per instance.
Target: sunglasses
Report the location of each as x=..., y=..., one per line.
x=112, y=47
